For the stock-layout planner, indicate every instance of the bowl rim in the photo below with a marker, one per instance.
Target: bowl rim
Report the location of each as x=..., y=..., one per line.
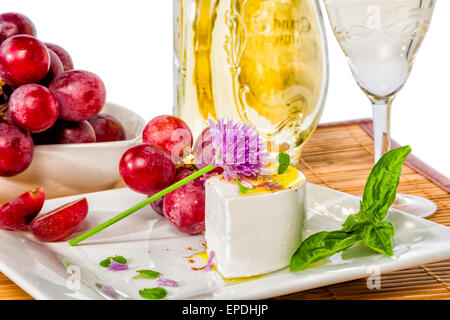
x=104, y=145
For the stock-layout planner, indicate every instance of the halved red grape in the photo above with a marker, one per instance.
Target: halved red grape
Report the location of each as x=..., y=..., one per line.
x=158, y=205
x=17, y=213
x=33, y=108
x=61, y=222
x=66, y=132
x=107, y=128
x=23, y=59
x=184, y=208
x=80, y=94
x=147, y=168
x=56, y=68
x=170, y=133
x=63, y=55
x=12, y=24
x=16, y=150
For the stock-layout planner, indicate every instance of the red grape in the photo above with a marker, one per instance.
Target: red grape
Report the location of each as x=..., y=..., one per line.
x=66, y=132
x=16, y=150
x=170, y=133
x=12, y=24
x=147, y=168
x=158, y=205
x=56, y=68
x=63, y=55
x=17, y=213
x=81, y=95
x=33, y=108
x=23, y=59
x=203, y=151
x=184, y=208
x=61, y=222
x=107, y=128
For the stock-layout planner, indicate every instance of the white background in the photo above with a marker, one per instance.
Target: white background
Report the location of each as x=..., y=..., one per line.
x=129, y=45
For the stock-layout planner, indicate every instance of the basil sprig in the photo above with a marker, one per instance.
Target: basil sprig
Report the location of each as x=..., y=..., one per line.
x=284, y=161
x=157, y=293
x=149, y=274
x=368, y=225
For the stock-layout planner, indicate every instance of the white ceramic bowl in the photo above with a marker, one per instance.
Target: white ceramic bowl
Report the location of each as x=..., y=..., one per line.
x=71, y=169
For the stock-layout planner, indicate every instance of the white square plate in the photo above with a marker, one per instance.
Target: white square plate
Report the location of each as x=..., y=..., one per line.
x=148, y=242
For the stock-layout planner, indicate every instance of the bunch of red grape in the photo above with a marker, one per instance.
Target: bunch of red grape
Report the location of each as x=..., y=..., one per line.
x=157, y=163
x=43, y=100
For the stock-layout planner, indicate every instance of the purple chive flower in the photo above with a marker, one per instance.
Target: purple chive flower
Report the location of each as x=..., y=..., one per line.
x=163, y=282
x=238, y=149
x=209, y=264
x=116, y=266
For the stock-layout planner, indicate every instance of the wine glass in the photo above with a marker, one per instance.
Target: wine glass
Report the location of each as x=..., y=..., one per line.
x=380, y=39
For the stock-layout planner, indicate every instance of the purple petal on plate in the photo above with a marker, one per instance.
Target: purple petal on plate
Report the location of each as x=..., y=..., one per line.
x=166, y=282
x=116, y=266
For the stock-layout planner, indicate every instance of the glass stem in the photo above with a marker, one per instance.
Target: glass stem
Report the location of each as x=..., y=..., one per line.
x=382, y=127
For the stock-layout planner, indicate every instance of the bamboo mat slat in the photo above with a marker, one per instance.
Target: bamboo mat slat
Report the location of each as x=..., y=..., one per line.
x=341, y=157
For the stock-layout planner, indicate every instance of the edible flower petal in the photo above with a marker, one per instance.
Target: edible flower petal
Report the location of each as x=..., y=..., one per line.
x=116, y=266
x=166, y=282
x=271, y=186
x=209, y=264
x=238, y=149
x=274, y=186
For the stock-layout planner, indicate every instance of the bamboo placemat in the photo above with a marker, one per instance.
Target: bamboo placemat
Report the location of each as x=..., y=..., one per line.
x=340, y=156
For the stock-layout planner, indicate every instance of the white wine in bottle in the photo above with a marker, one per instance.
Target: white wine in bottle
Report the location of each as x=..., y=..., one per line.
x=263, y=62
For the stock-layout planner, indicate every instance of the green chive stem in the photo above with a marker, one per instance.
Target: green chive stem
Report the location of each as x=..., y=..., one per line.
x=141, y=205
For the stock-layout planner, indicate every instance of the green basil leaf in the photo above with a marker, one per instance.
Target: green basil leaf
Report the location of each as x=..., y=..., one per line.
x=119, y=259
x=320, y=246
x=379, y=237
x=381, y=186
x=153, y=293
x=105, y=263
x=353, y=223
x=149, y=274
x=367, y=225
x=284, y=161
